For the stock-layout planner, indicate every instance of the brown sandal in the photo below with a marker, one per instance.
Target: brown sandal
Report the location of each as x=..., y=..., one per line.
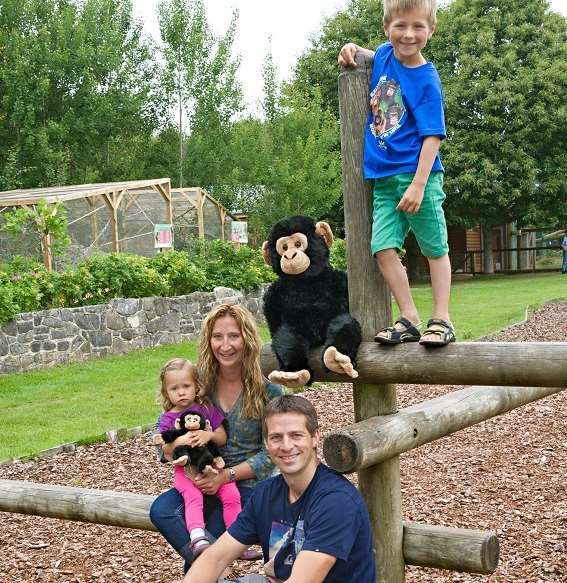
x=438, y=333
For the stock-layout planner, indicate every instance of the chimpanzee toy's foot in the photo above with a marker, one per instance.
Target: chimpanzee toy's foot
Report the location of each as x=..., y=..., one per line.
x=180, y=461
x=338, y=362
x=291, y=380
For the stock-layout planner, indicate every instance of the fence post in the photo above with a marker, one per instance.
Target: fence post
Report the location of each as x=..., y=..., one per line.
x=369, y=301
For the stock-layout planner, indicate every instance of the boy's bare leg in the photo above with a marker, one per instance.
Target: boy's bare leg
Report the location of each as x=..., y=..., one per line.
x=397, y=280
x=440, y=270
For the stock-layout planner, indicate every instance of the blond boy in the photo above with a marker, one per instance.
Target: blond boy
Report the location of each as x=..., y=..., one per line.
x=401, y=154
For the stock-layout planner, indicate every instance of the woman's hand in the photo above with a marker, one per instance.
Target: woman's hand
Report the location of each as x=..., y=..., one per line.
x=210, y=483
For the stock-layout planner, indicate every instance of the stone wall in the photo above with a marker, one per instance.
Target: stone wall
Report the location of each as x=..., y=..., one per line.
x=39, y=339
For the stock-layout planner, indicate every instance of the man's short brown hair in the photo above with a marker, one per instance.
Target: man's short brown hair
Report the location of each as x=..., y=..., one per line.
x=291, y=404
x=394, y=7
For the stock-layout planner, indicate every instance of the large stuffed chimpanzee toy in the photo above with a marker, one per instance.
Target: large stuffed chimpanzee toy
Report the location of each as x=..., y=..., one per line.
x=307, y=306
x=206, y=458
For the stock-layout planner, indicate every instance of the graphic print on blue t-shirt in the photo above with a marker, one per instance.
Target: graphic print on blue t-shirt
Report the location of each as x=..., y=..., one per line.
x=387, y=107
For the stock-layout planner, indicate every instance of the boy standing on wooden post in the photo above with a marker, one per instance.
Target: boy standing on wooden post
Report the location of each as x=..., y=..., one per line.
x=401, y=154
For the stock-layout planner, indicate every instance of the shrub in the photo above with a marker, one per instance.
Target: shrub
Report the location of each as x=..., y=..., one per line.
x=21, y=287
x=225, y=265
x=8, y=307
x=338, y=257
x=25, y=285
x=117, y=275
x=182, y=276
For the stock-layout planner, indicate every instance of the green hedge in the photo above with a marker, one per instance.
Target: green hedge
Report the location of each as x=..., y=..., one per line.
x=25, y=286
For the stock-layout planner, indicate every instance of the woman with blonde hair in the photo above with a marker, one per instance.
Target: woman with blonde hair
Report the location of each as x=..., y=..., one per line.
x=230, y=376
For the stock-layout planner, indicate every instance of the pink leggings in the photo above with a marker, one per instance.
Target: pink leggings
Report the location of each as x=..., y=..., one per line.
x=228, y=494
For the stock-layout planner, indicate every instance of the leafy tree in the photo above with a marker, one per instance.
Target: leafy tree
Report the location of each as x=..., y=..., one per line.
x=504, y=68
x=286, y=166
x=360, y=22
x=44, y=221
x=200, y=71
x=271, y=98
x=76, y=91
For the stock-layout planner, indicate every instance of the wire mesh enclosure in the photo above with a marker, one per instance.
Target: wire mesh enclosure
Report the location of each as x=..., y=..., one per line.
x=119, y=216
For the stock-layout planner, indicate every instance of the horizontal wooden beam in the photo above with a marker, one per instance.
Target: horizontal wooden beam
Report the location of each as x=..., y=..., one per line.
x=456, y=549
x=122, y=509
x=376, y=439
x=534, y=364
x=431, y=546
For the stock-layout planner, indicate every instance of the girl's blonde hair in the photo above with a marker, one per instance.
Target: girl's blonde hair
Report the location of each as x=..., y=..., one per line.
x=394, y=7
x=179, y=364
x=253, y=392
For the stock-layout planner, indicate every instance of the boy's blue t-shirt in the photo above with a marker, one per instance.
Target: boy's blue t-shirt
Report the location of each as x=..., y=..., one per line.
x=406, y=105
x=330, y=517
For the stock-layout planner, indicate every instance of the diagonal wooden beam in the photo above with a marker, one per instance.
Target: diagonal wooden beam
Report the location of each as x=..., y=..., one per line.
x=377, y=439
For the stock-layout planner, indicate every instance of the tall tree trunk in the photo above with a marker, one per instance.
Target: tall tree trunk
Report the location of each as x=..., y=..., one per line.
x=488, y=257
x=180, y=131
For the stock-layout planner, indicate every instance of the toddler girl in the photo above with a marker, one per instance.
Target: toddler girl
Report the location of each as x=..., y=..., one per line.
x=179, y=392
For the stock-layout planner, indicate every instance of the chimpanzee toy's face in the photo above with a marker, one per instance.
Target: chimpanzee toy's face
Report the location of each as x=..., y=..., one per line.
x=297, y=245
x=190, y=421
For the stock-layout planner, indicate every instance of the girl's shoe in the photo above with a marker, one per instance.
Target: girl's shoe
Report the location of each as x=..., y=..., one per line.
x=405, y=332
x=438, y=333
x=199, y=545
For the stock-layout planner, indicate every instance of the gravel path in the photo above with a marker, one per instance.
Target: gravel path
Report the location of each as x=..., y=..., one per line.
x=507, y=474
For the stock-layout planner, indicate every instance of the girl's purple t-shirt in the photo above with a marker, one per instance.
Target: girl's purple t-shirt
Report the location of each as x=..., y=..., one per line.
x=212, y=413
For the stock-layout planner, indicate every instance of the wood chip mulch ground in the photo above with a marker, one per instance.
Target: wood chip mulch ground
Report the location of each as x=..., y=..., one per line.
x=508, y=474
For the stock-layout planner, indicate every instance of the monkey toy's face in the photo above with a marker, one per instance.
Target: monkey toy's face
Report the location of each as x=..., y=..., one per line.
x=190, y=421
x=292, y=250
x=298, y=246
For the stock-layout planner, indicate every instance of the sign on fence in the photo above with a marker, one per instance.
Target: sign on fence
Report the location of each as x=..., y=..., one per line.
x=239, y=232
x=163, y=236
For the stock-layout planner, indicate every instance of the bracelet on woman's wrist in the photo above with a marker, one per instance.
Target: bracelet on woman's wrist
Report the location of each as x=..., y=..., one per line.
x=231, y=474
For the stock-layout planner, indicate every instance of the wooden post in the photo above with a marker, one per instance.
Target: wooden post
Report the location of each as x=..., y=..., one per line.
x=46, y=251
x=200, y=214
x=110, y=200
x=369, y=301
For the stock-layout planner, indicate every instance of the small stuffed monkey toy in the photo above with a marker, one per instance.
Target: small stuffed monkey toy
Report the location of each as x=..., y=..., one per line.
x=206, y=458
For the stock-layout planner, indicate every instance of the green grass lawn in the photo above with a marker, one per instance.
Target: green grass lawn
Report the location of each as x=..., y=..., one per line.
x=80, y=401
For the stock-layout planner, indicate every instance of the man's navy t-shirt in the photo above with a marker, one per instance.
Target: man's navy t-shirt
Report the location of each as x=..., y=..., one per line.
x=330, y=517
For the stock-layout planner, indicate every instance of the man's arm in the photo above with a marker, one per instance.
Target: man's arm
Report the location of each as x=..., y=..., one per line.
x=209, y=566
x=311, y=567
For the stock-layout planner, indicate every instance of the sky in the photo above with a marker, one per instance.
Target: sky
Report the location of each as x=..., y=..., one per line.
x=289, y=23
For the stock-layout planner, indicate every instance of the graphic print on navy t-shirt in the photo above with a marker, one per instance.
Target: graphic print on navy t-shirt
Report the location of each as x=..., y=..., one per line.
x=285, y=544
x=388, y=109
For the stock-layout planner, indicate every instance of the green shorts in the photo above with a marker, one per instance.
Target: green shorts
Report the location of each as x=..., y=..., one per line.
x=390, y=227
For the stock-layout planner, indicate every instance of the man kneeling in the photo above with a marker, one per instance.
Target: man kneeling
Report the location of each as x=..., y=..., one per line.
x=311, y=522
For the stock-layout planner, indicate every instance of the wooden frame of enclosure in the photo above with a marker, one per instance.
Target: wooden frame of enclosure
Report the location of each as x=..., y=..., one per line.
x=111, y=194
x=197, y=197
x=381, y=433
